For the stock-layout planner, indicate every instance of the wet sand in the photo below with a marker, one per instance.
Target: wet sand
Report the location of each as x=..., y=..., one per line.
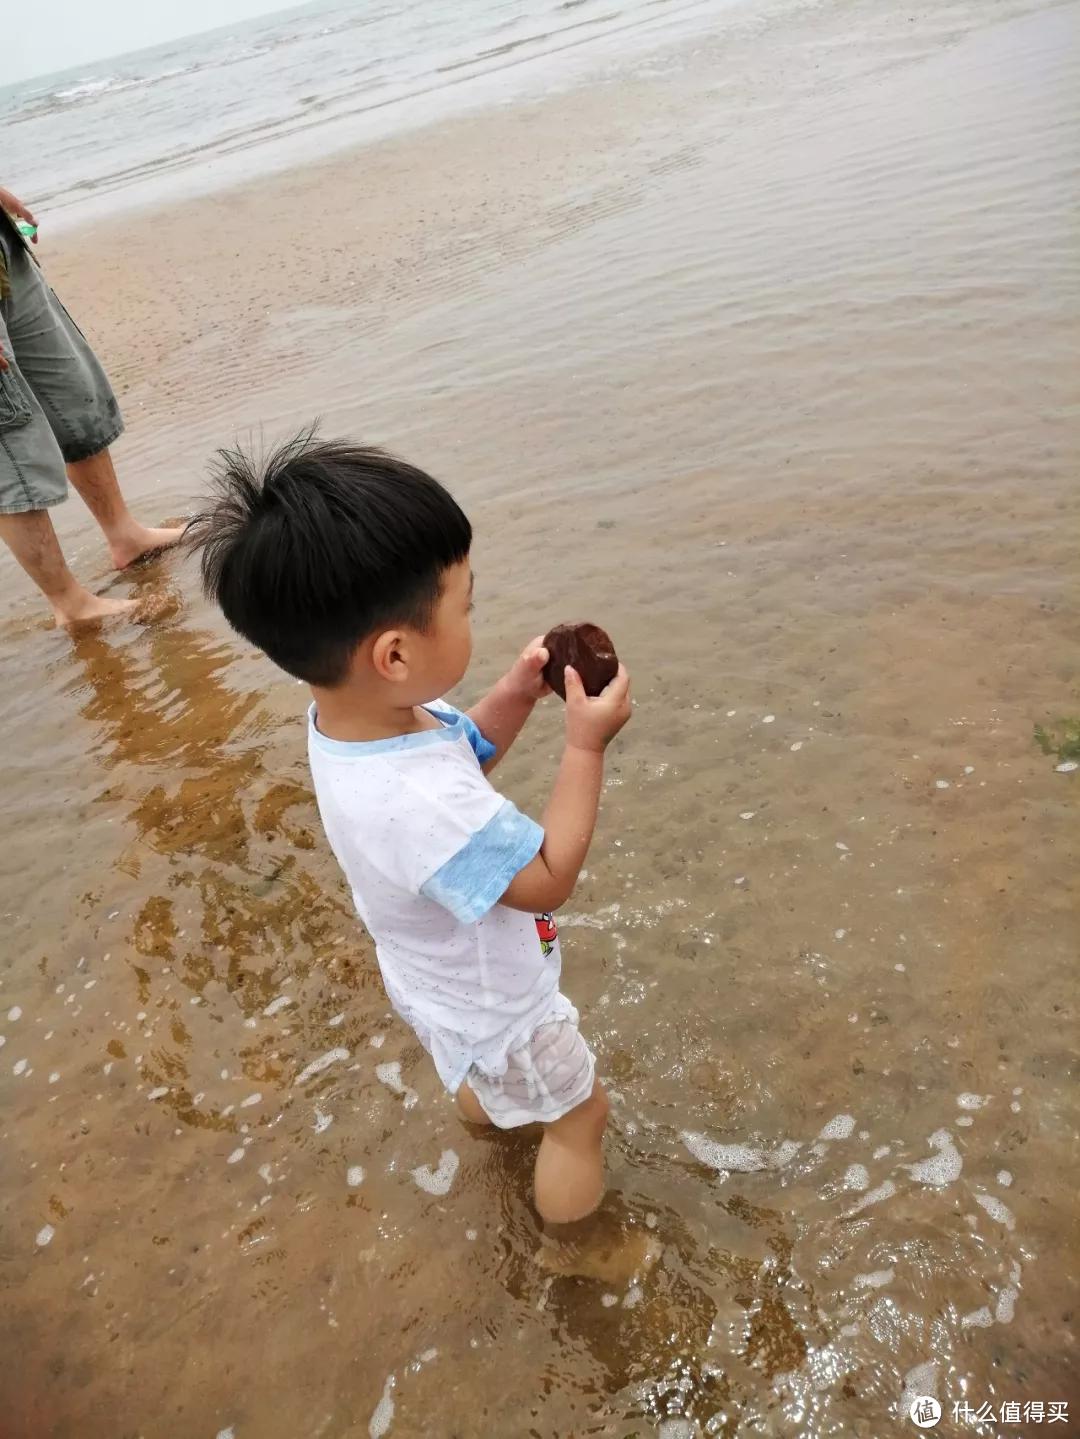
x=764, y=357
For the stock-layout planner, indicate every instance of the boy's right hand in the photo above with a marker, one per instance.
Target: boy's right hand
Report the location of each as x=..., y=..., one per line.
x=591, y=724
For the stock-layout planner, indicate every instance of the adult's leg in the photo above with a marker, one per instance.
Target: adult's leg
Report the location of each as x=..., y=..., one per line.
x=32, y=540
x=73, y=392
x=569, y=1182
x=95, y=480
x=32, y=481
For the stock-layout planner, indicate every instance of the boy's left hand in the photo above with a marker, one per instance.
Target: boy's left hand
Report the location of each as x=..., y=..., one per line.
x=525, y=677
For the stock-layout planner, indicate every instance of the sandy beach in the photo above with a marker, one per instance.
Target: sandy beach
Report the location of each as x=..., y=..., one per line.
x=763, y=353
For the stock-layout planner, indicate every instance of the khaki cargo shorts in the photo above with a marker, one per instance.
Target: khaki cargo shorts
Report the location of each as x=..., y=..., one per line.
x=56, y=404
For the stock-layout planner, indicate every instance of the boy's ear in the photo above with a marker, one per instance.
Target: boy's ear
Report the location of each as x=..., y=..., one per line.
x=390, y=656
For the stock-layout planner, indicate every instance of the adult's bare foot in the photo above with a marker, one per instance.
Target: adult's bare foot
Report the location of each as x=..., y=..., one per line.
x=82, y=608
x=143, y=543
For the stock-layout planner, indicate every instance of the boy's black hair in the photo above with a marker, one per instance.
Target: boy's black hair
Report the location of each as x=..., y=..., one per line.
x=321, y=544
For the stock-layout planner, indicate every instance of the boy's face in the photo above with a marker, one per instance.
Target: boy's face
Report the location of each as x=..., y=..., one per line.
x=442, y=654
x=423, y=665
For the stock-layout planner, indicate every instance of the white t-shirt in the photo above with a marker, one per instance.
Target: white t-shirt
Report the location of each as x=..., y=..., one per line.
x=428, y=848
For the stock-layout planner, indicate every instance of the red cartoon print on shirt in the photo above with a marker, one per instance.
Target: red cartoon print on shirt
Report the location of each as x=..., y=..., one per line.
x=545, y=928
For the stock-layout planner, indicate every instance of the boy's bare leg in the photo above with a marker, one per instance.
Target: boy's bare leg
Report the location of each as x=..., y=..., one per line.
x=32, y=540
x=569, y=1183
x=95, y=480
x=469, y=1106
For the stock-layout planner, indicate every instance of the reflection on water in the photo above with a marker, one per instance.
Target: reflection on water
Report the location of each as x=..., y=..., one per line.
x=814, y=483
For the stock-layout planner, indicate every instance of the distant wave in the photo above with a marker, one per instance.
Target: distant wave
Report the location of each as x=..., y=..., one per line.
x=82, y=88
x=86, y=91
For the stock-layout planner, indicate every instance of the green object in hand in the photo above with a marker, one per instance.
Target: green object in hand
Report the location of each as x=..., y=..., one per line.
x=26, y=230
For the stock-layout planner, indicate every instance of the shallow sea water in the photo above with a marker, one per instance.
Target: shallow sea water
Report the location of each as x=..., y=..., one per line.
x=787, y=401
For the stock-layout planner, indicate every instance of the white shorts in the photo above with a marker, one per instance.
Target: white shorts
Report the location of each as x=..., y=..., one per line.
x=546, y=1077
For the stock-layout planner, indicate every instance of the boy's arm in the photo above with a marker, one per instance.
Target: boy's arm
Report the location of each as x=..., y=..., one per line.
x=548, y=881
x=500, y=715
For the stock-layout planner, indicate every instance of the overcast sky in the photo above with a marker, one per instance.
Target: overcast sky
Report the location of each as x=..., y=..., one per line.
x=41, y=36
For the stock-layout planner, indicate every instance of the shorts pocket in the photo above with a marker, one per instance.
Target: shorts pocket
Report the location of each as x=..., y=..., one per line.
x=14, y=406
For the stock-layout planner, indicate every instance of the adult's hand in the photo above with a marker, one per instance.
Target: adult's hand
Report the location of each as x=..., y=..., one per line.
x=15, y=207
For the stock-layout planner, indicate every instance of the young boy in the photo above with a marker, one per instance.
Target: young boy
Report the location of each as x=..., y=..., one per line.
x=350, y=569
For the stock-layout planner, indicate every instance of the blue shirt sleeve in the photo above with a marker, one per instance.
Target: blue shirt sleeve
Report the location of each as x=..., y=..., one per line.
x=482, y=748
x=474, y=879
